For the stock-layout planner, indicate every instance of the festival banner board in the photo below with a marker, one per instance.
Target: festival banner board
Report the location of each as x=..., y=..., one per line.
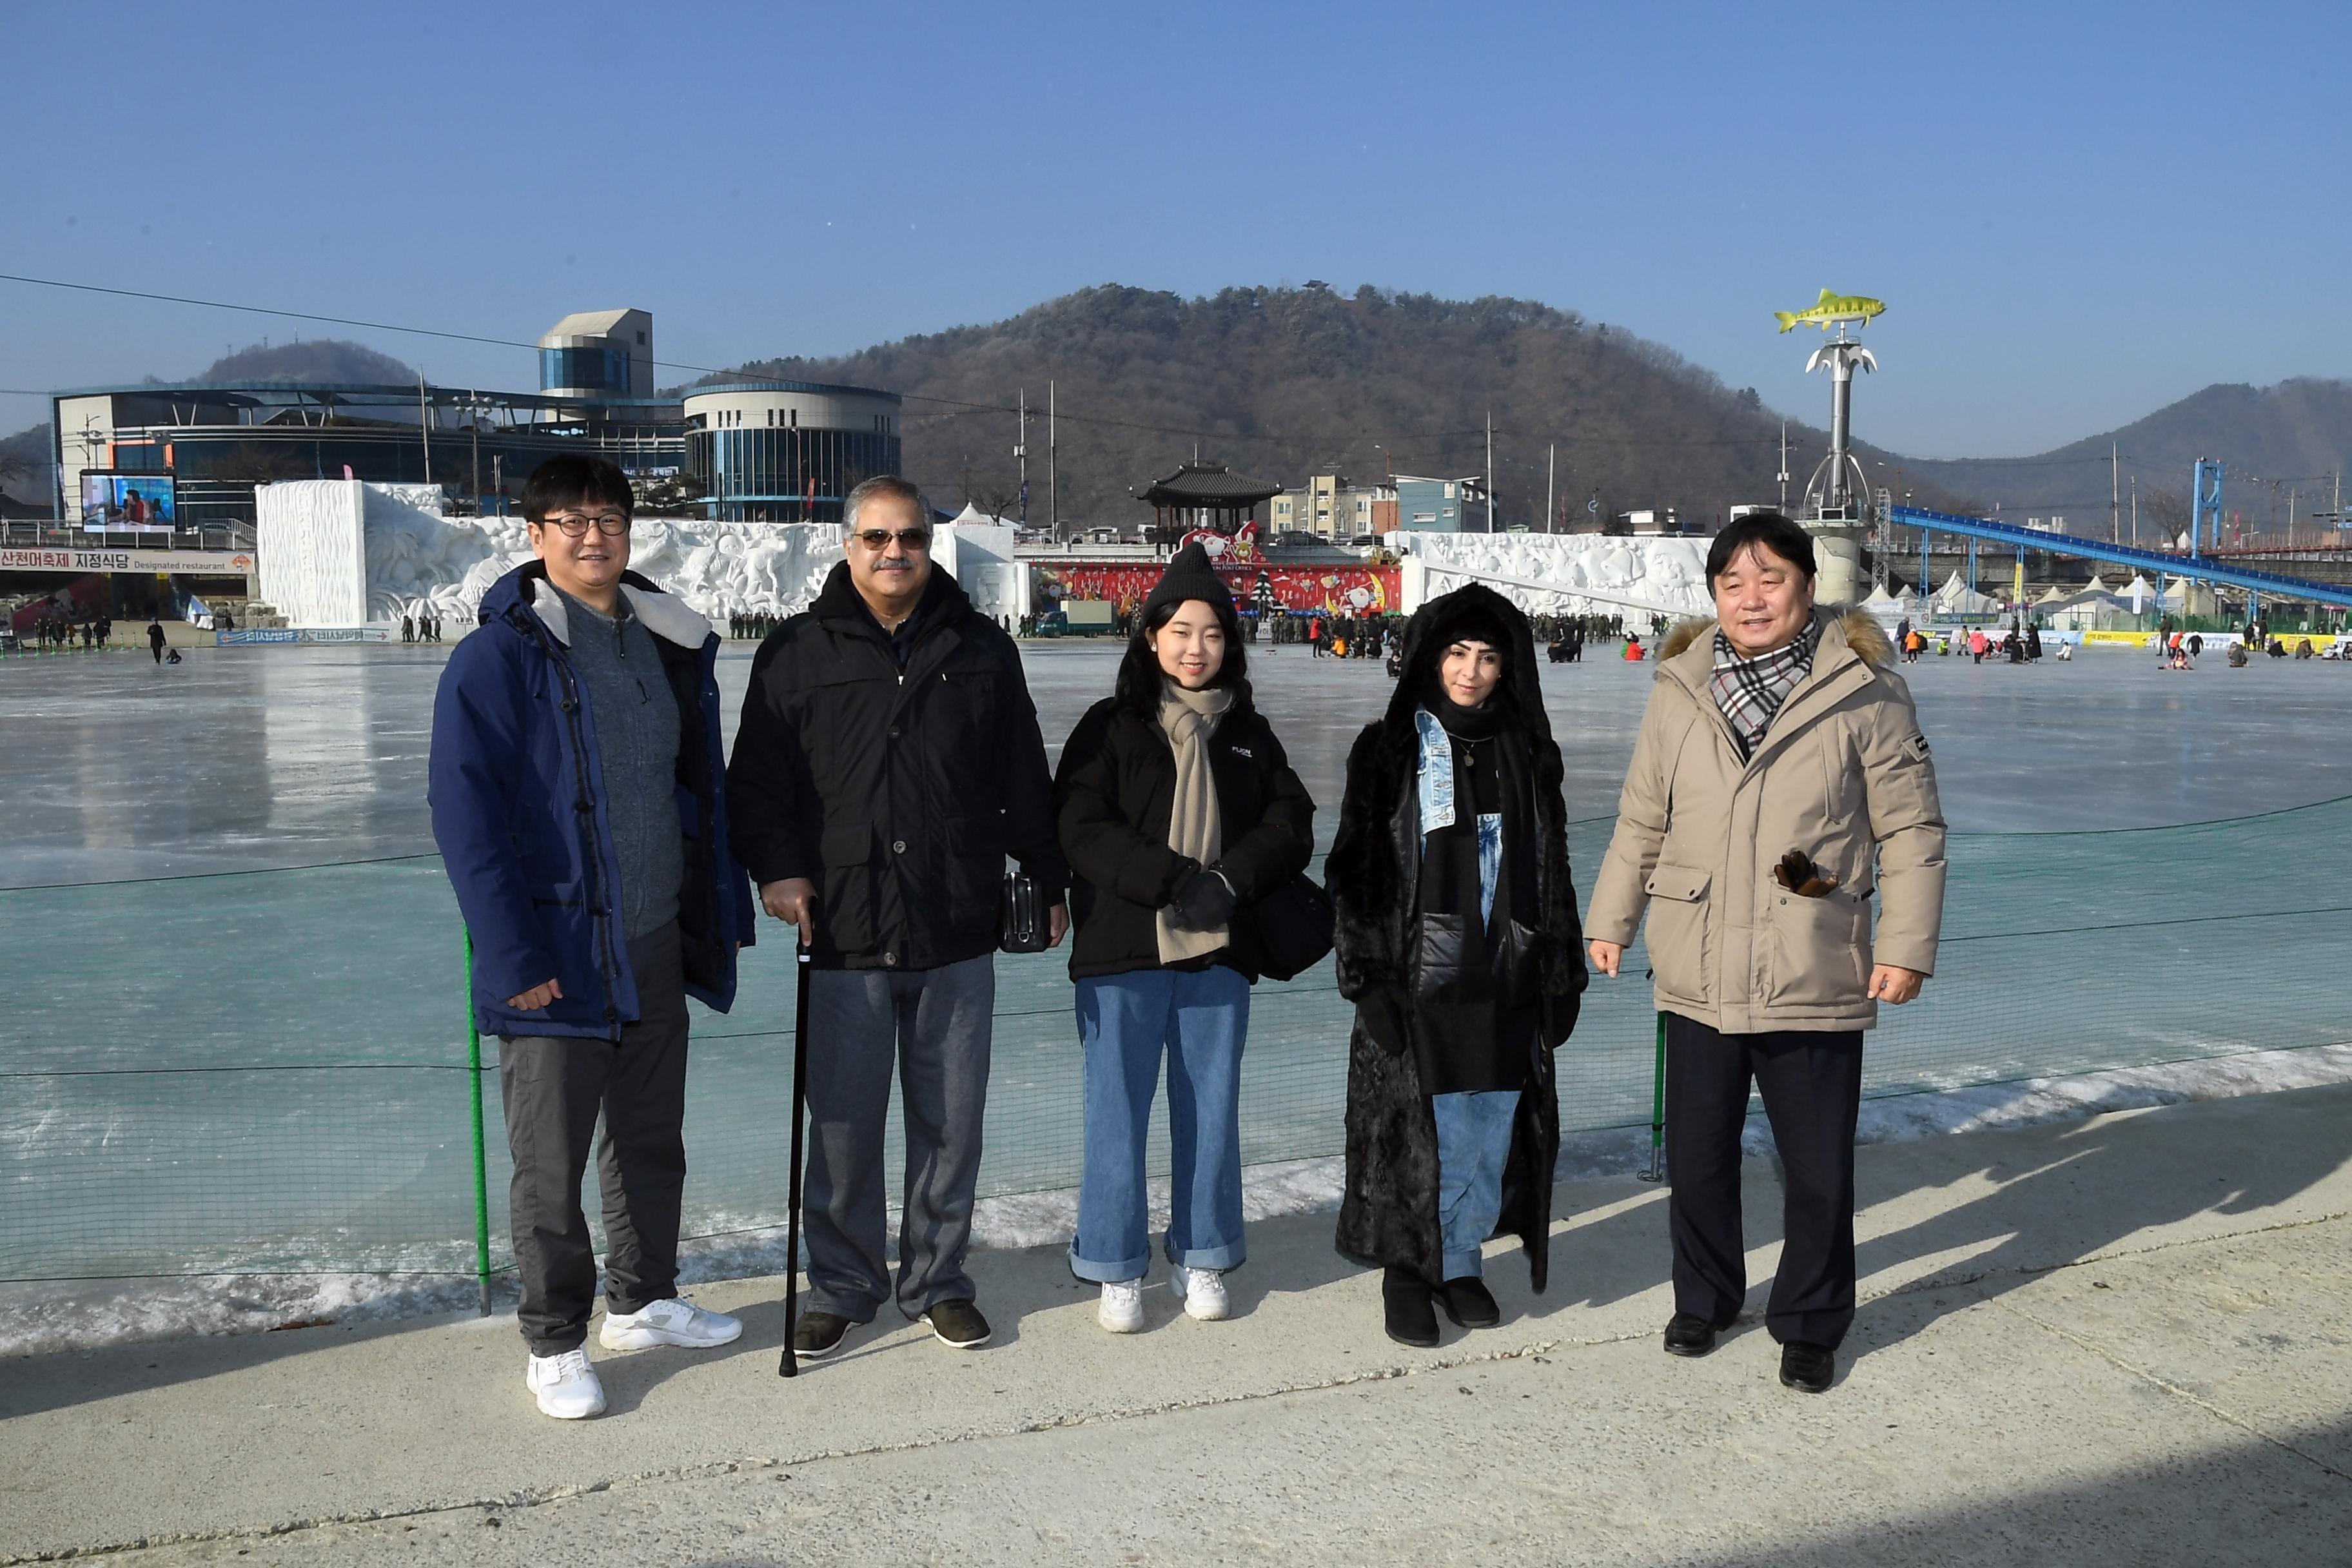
x=279, y=635
x=187, y=562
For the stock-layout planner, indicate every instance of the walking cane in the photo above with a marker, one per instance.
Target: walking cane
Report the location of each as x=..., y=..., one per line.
x=1658, y=1107
x=790, y=1365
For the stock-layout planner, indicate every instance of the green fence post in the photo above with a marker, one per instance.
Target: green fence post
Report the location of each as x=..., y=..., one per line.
x=481, y=1155
x=1657, y=1107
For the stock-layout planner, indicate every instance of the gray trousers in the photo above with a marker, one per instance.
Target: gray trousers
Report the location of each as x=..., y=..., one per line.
x=936, y=1023
x=553, y=1089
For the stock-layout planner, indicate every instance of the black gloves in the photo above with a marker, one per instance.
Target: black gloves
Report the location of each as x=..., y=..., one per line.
x=1381, y=1011
x=1205, y=902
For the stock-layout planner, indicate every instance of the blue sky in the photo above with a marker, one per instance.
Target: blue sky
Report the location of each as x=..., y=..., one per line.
x=2076, y=212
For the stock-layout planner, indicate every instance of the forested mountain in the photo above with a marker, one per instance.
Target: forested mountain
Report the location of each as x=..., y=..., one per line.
x=1280, y=383
x=320, y=359
x=2276, y=444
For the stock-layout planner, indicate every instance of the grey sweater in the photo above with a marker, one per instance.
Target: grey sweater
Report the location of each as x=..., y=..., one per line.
x=637, y=731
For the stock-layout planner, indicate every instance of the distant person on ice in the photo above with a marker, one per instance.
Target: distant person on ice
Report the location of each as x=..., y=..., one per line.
x=1458, y=942
x=155, y=638
x=567, y=736
x=887, y=762
x=1780, y=778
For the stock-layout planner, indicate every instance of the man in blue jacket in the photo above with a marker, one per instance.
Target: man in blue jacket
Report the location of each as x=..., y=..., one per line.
x=577, y=788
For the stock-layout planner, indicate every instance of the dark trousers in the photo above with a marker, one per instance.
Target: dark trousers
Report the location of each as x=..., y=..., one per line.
x=934, y=1026
x=554, y=1089
x=1811, y=1086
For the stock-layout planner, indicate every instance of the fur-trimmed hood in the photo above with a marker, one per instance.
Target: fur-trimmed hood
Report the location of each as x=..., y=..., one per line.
x=1862, y=631
x=1431, y=631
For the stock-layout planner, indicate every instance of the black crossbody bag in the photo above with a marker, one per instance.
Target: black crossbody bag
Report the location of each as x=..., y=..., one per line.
x=1294, y=928
x=1021, y=927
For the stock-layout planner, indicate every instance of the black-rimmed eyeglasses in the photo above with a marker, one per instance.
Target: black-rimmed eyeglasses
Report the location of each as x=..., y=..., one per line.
x=574, y=525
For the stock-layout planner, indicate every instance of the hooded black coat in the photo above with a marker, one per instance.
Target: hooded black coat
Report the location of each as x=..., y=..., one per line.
x=1388, y=1215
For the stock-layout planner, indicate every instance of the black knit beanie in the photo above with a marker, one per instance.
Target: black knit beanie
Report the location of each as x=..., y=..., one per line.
x=1189, y=576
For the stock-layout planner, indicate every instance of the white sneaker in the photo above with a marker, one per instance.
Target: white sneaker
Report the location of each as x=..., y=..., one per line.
x=566, y=1385
x=668, y=1322
x=1122, y=1306
x=1204, y=1291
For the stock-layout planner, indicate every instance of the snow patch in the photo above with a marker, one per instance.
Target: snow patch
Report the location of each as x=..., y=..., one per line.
x=47, y=1318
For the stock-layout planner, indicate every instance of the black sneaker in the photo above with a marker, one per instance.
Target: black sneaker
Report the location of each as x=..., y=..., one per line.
x=1808, y=1369
x=1411, y=1319
x=817, y=1335
x=1469, y=1303
x=958, y=1324
x=1689, y=1334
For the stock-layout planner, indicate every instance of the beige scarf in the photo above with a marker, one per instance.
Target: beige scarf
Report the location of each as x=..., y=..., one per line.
x=1190, y=717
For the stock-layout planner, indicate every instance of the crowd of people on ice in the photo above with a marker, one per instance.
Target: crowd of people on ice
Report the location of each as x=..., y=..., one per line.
x=611, y=859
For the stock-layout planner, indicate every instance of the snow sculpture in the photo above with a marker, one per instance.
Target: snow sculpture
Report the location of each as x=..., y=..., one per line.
x=1568, y=574
x=338, y=552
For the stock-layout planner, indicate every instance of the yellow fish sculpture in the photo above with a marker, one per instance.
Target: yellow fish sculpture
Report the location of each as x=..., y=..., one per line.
x=1830, y=309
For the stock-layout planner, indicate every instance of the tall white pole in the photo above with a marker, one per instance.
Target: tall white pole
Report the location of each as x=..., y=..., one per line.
x=1784, y=468
x=2114, y=493
x=1490, y=470
x=424, y=424
x=1022, y=452
x=1551, y=476
x=1052, y=478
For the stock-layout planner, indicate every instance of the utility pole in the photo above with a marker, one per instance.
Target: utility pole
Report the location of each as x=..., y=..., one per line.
x=474, y=426
x=2134, y=512
x=1784, y=468
x=1022, y=452
x=1053, y=480
x=1551, y=476
x=2114, y=494
x=424, y=424
x=1490, y=470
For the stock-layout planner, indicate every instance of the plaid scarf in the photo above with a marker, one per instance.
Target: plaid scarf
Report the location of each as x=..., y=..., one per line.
x=1750, y=690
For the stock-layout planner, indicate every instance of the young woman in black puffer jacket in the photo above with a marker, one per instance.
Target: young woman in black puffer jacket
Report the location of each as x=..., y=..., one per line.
x=1178, y=812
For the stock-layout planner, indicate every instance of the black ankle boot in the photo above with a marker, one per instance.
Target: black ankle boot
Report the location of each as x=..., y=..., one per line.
x=1412, y=1320
x=1469, y=1303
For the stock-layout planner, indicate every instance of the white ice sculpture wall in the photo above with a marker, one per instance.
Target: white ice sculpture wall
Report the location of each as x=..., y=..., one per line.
x=309, y=548
x=1565, y=574
x=337, y=552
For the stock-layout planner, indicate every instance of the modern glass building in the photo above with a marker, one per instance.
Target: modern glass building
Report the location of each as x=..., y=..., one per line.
x=599, y=354
x=745, y=451
x=786, y=451
x=218, y=442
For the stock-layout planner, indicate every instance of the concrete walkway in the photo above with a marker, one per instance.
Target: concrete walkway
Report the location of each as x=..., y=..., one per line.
x=2115, y=1341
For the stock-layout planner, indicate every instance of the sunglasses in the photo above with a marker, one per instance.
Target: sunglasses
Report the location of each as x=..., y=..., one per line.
x=879, y=538
x=1797, y=873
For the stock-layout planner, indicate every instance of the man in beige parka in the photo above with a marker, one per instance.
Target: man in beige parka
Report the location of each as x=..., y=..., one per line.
x=1779, y=781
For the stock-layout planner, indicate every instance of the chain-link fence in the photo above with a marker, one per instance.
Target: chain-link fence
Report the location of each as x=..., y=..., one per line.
x=267, y=1073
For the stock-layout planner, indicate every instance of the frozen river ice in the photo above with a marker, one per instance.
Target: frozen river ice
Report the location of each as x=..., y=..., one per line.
x=262, y=757
x=219, y=881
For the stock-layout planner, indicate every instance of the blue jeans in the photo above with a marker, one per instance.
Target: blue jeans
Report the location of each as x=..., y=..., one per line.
x=1124, y=1020
x=1474, y=1140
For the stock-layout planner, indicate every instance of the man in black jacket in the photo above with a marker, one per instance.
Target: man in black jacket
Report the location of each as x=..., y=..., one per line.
x=887, y=762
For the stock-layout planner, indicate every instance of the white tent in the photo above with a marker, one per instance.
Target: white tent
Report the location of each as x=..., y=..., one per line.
x=1957, y=598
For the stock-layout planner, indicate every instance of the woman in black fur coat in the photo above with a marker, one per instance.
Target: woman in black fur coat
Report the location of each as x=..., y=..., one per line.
x=1458, y=941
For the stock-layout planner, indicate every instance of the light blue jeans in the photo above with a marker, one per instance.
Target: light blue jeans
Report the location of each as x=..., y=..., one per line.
x=1124, y=1022
x=1474, y=1140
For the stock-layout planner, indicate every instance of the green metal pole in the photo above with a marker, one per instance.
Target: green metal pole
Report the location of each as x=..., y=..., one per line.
x=481, y=1155
x=1657, y=1108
